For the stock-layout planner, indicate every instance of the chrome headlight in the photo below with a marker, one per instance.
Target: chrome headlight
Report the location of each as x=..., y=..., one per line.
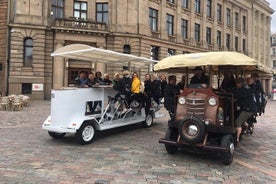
x=212, y=101
x=182, y=100
x=192, y=130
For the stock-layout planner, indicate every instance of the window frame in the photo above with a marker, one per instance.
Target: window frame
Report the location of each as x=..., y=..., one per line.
x=236, y=43
x=153, y=19
x=219, y=38
x=237, y=20
x=228, y=16
x=219, y=12
x=185, y=4
x=169, y=24
x=28, y=59
x=184, y=28
x=197, y=32
x=208, y=35
x=197, y=6
x=102, y=14
x=228, y=41
x=81, y=11
x=209, y=8
x=57, y=9
x=154, y=52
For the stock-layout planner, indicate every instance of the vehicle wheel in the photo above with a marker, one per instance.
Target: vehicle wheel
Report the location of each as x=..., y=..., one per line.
x=56, y=135
x=86, y=133
x=228, y=143
x=148, y=121
x=192, y=130
x=171, y=135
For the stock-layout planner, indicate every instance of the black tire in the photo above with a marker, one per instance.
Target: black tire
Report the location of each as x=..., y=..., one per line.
x=194, y=123
x=227, y=142
x=86, y=133
x=148, y=121
x=56, y=135
x=171, y=135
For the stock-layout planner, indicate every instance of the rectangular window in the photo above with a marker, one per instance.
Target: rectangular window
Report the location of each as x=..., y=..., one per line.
x=228, y=41
x=228, y=16
x=273, y=51
x=209, y=8
x=171, y=1
x=102, y=12
x=219, y=38
x=57, y=8
x=274, y=63
x=153, y=19
x=171, y=52
x=243, y=45
x=28, y=52
x=184, y=28
x=236, y=20
x=197, y=6
x=185, y=3
x=154, y=52
x=26, y=88
x=243, y=23
x=169, y=24
x=197, y=32
x=219, y=8
x=236, y=43
x=80, y=9
x=209, y=36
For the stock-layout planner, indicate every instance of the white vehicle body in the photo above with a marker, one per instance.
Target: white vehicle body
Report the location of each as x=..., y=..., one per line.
x=70, y=109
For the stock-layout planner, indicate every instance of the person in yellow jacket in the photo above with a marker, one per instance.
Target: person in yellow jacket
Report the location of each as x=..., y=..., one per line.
x=137, y=96
x=135, y=85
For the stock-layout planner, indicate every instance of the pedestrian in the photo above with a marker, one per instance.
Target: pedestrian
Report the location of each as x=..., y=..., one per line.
x=170, y=91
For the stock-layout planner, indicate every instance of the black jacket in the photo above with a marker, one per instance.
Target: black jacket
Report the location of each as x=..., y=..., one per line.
x=124, y=86
x=170, y=92
x=245, y=99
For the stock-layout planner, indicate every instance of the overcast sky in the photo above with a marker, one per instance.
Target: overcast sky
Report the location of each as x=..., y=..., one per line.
x=273, y=21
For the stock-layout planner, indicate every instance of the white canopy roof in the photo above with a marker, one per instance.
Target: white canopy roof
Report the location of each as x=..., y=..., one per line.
x=88, y=53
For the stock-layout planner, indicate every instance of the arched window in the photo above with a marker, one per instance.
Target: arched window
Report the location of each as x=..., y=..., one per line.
x=126, y=49
x=28, y=52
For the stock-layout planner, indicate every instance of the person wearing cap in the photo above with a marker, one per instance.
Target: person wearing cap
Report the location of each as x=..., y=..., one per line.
x=199, y=77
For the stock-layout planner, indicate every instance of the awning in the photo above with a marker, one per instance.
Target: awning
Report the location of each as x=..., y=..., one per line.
x=83, y=52
x=213, y=59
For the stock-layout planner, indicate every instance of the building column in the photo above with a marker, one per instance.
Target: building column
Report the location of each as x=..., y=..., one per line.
x=100, y=66
x=58, y=68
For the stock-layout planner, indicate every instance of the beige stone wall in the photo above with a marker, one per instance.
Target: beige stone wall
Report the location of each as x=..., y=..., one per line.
x=3, y=45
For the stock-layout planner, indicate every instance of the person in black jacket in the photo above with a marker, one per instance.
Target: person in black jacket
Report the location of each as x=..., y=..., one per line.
x=155, y=89
x=147, y=92
x=259, y=93
x=124, y=87
x=170, y=91
x=199, y=77
x=245, y=100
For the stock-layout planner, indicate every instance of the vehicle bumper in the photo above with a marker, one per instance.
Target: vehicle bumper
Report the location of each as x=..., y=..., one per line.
x=205, y=147
x=48, y=126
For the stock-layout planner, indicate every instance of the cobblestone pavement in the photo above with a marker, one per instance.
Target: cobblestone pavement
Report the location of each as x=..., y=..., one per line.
x=130, y=154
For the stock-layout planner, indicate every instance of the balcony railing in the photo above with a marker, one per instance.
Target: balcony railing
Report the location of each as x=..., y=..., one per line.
x=80, y=24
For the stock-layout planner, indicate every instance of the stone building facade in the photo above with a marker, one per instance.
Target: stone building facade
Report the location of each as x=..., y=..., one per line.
x=273, y=58
x=3, y=45
x=148, y=28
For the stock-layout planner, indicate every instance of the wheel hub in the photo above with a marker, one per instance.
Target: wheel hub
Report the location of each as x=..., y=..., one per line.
x=88, y=133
